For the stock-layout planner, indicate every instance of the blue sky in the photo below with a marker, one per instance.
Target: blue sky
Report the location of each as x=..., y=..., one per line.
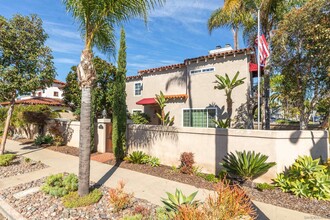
x=174, y=32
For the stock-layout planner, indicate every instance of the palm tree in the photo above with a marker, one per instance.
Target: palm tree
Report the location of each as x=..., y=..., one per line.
x=224, y=83
x=97, y=20
x=231, y=15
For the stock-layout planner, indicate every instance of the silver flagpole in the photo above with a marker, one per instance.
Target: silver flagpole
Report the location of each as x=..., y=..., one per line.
x=258, y=69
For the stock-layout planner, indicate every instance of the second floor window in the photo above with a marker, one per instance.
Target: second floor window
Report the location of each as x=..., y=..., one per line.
x=56, y=94
x=137, y=89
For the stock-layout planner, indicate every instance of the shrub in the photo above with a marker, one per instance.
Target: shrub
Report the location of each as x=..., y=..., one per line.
x=140, y=118
x=264, y=186
x=174, y=201
x=187, y=212
x=137, y=157
x=211, y=178
x=6, y=159
x=142, y=210
x=133, y=217
x=306, y=178
x=246, y=165
x=73, y=200
x=153, y=161
x=187, y=162
x=27, y=160
x=57, y=185
x=119, y=199
x=162, y=214
x=55, y=130
x=228, y=202
x=39, y=140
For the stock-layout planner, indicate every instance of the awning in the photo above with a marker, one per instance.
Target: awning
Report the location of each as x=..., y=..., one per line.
x=152, y=101
x=147, y=101
x=253, y=68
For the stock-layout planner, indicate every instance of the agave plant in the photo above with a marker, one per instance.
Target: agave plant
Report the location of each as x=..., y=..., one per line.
x=222, y=123
x=306, y=178
x=246, y=165
x=174, y=201
x=137, y=157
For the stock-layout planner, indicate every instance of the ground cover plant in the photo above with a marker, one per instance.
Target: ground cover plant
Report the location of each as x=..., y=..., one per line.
x=73, y=200
x=6, y=159
x=59, y=185
x=246, y=165
x=306, y=178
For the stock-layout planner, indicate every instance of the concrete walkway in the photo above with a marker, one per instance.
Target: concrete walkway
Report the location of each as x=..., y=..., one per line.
x=142, y=185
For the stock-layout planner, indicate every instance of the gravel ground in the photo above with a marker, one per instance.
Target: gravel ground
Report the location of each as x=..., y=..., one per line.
x=2, y=217
x=20, y=166
x=41, y=206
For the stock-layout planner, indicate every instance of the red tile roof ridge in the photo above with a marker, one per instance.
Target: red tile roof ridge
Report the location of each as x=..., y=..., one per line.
x=59, y=82
x=179, y=65
x=38, y=101
x=172, y=66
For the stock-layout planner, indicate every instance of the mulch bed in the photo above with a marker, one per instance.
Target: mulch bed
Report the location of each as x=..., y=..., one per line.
x=20, y=166
x=286, y=200
x=42, y=206
x=275, y=197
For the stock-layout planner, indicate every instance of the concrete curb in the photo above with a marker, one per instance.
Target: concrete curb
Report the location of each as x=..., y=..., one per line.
x=8, y=212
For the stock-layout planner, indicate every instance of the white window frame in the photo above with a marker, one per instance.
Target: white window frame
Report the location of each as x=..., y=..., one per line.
x=202, y=70
x=207, y=123
x=135, y=90
x=137, y=110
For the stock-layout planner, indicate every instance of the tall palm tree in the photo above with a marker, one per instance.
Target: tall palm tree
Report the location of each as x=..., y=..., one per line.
x=231, y=15
x=97, y=20
x=225, y=83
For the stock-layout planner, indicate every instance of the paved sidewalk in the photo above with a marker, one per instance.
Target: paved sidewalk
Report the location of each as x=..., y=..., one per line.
x=142, y=185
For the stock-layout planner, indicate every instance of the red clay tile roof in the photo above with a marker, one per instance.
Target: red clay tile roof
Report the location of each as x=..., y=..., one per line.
x=38, y=101
x=179, y=96
x=174, y=66
x=59, y=82
x=128, y=78
x=230, y=52
x=180, y=65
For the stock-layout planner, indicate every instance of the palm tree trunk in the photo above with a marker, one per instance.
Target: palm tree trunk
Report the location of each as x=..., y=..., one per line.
x=229, y=109
x=7, y=123
x=235, y=33
x=86, y=76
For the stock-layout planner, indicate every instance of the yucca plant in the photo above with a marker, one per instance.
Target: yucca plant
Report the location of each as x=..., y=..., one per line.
x=175, y=201
x=246, y=165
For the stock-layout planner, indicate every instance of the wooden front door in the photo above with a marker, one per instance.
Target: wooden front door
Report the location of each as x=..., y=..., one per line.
x=108, y=147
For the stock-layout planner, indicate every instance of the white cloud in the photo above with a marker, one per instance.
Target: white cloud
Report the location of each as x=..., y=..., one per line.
x=64, y=47
x=185, y=11
x=66, y=61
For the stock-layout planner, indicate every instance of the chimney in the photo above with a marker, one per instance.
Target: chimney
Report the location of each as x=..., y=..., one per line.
x=219, y=49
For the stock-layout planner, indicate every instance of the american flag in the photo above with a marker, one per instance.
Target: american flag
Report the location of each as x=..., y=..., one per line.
x=263, y=49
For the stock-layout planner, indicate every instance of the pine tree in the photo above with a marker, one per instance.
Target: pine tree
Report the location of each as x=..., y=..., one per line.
x=119, y=104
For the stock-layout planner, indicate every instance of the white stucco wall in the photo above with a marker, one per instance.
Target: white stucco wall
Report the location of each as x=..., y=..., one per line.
x=210, y=145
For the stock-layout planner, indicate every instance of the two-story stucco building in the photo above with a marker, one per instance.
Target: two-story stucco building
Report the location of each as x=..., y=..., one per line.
x=189, y=88
x=51, y=96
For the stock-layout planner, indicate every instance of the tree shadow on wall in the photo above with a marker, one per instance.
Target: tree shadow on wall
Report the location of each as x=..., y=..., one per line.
x=144, y=136
x=244, y=114
x=319, y=148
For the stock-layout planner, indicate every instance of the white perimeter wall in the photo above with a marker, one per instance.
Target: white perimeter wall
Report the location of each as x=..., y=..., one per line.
x=210, y=145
